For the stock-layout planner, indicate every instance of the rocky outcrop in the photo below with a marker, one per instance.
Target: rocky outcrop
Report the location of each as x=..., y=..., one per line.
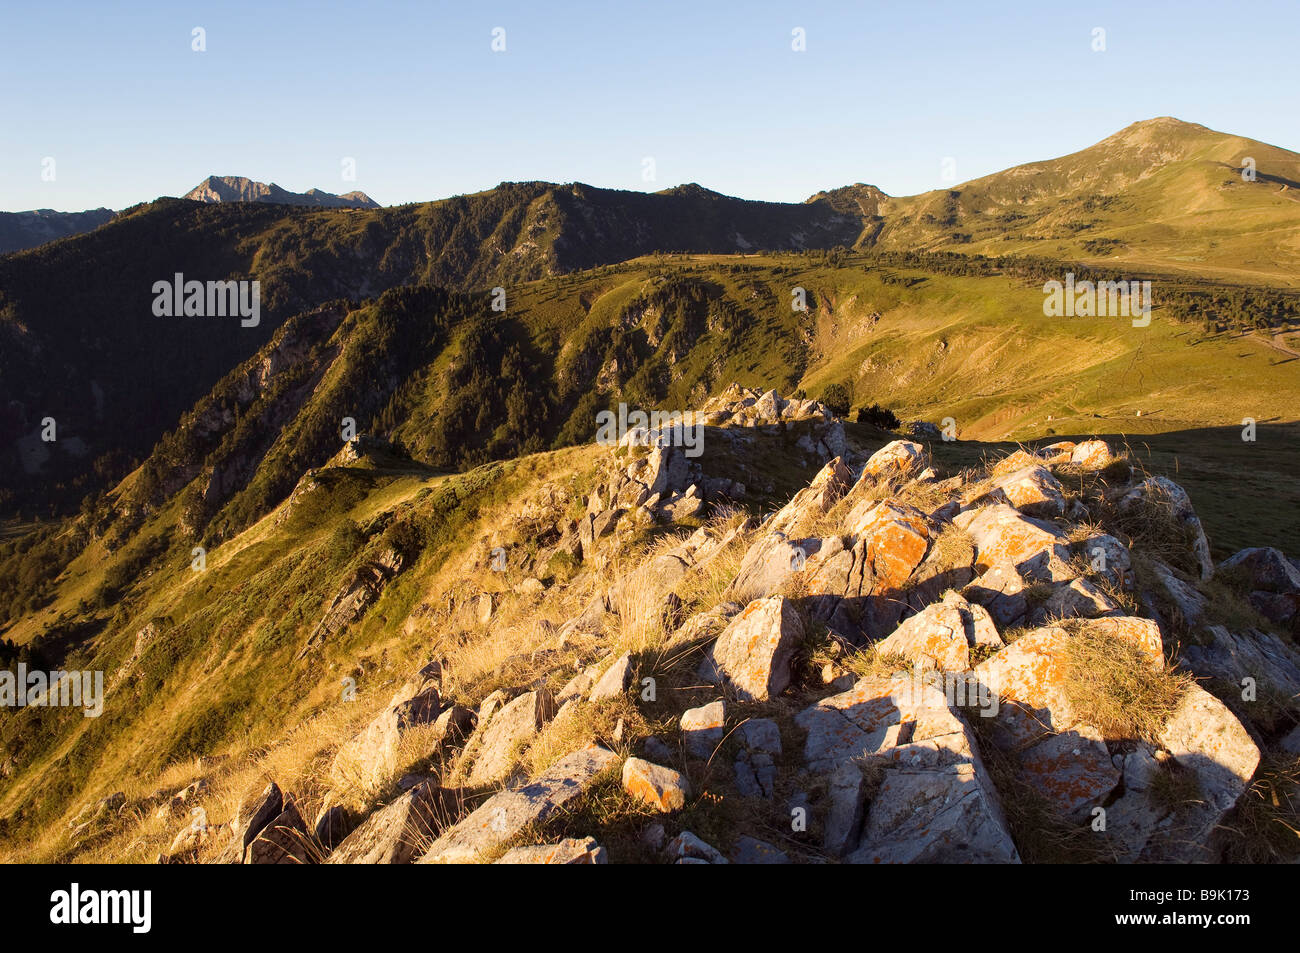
x=353, y=598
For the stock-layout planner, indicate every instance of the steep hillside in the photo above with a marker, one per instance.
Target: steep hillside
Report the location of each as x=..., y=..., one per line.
x=680, y=677
x=79, y=341
x=453, y=384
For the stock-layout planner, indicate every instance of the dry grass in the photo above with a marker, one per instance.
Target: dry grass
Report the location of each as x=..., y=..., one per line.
x=1265, y=826
x=1113, y=685
x=871, y=663
x=952, y=548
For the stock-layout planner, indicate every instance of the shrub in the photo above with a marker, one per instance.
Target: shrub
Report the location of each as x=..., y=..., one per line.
x=882, y=417
x=837, y=399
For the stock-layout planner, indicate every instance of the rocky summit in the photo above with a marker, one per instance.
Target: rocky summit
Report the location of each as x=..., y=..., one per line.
x=631, y=657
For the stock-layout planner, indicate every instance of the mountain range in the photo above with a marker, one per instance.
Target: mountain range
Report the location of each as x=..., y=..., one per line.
x=227, y=519
x=234, y=188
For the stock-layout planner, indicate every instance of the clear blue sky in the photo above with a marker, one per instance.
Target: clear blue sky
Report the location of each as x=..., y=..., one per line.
x=585, y=91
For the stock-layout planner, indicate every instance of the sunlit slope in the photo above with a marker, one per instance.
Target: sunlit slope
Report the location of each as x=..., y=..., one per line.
x=1159, y=193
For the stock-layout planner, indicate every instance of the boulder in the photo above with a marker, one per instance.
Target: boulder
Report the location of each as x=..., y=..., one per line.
x=771, y=560
x=517, y=723
x=252, y=816
x=846, y=793
x=1062, y=757
x=1033, y=491
x=751, y=850
x=1234, y=656
x=662, y=788
x=1206, y=739
x=1163, y=493
x=505, y=814
x=1078, y=598
x=615, y=680
x=370, y=758
x=686, y=848
x=395, y=833
x=1016, y=460
x=1000, y=591
x=1092, y=455
x=933, y=801
x=703, y=727
x=1109, y=558
x=571, y=850
x=1266, y=568
x=858, y=592
x=332, y=826
x=1072, y=770
x=760, y=746
x=799, y=517
x=579, y=685
x=283, y=841
x=900, y=458
x=1002, y=534
x=754, y=652
x=934, y=638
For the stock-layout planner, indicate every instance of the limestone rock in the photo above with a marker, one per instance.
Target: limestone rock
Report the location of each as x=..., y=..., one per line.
x=754, y=652
x=899, y=458
x=751, y=850
x=518, y=722
x=687, y=848
x=1164, y=493
x=396, y=832
x=1033, y=491
x=934, y=802
x=252, y=816
x=932, y=639
x=1000, y=591
x=1092, y=454
x=1078, y=598
x=798, y=517
x=615, y=680
x=760, y=746
x=703, y=727
x=662, y=788
x=283, y=841
x=1002, y=534
x=370, y=758
x=502, y=816
x=571, y=850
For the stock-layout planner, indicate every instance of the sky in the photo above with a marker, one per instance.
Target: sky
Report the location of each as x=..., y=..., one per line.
x=110, y=104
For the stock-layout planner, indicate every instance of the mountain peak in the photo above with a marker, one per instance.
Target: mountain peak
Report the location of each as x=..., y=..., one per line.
x=238, y=188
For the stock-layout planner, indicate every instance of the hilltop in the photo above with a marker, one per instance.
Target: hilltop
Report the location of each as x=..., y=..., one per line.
x=382, y=662
x=1159, y=194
